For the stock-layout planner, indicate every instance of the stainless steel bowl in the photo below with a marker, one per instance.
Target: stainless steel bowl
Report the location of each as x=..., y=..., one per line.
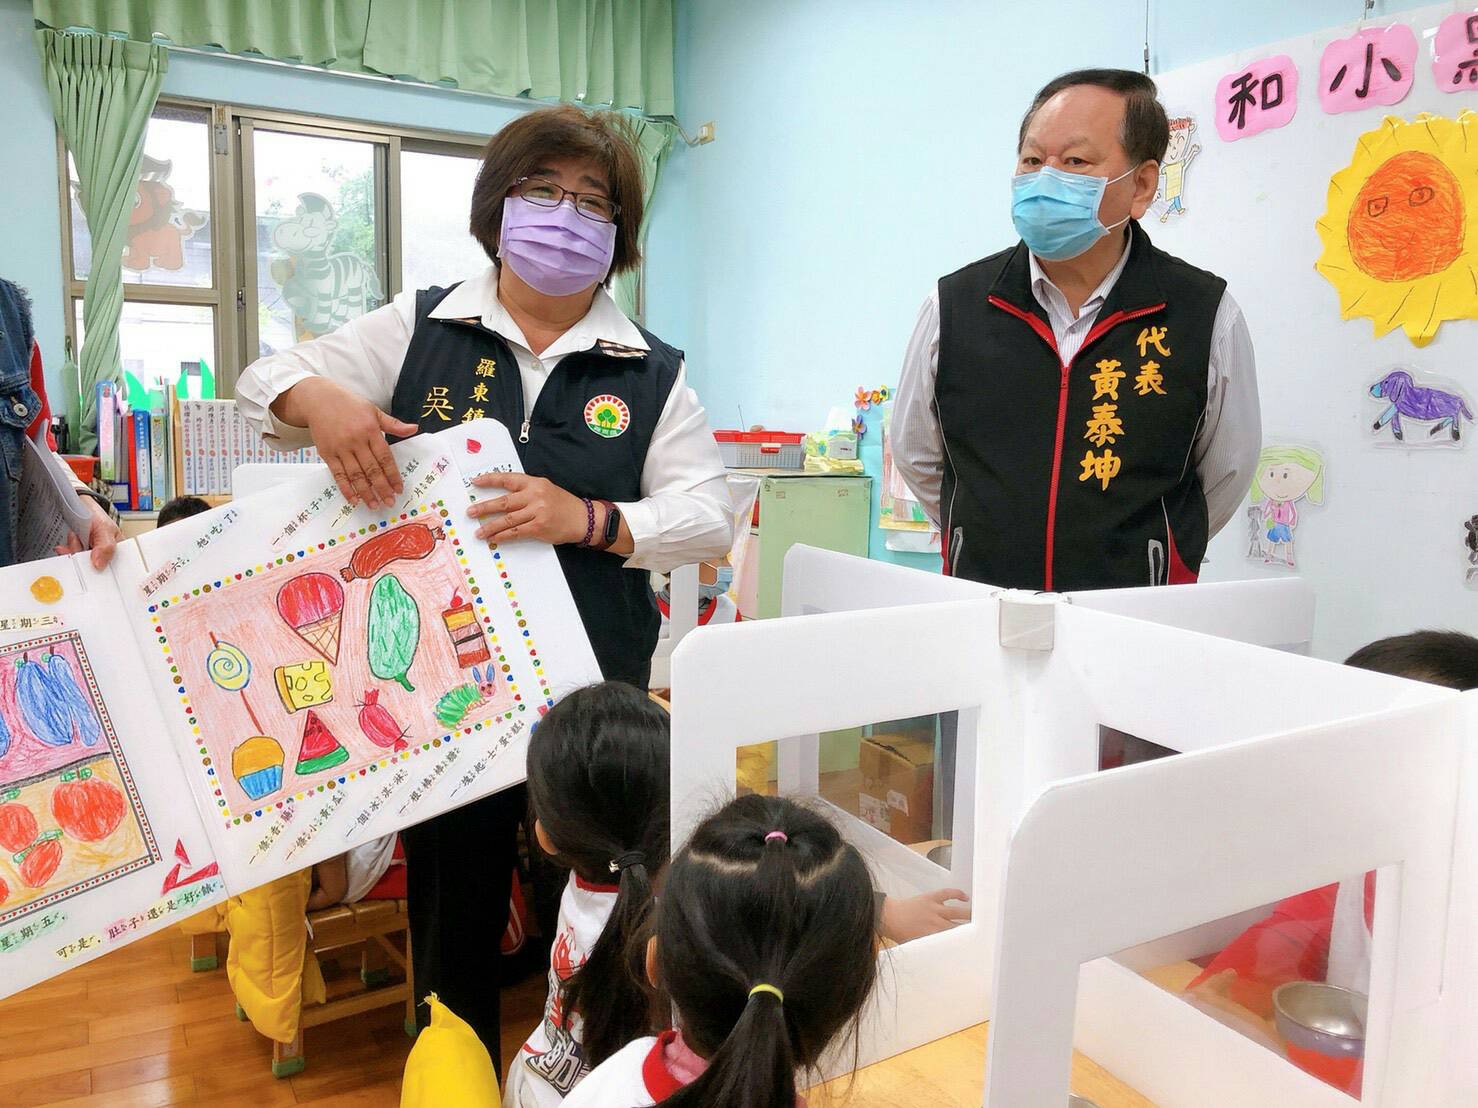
x=1322, y=1018
x=941, y=855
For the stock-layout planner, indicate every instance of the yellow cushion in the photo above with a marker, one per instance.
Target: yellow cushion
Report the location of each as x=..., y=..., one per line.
x=270, y=967
x=449, y=1067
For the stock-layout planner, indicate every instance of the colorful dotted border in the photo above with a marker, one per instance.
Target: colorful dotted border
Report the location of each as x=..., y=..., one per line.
x=151, y=847
x=233, y=819
x=523, y=630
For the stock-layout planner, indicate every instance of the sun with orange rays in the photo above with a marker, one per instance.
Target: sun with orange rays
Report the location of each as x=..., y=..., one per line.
x=1400, y=230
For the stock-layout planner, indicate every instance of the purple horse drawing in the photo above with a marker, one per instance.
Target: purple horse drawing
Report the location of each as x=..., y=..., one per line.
x=1444, y=410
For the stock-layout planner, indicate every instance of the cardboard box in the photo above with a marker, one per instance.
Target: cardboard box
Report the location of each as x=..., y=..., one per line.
x=898, y=786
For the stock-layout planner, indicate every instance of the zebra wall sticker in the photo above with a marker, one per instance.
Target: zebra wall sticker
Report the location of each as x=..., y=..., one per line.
x=324, y=288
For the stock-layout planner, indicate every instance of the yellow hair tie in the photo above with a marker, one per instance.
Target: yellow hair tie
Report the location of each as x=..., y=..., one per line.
x=776, y=993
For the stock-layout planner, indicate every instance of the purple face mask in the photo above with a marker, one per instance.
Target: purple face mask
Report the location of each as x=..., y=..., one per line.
x=557, y=251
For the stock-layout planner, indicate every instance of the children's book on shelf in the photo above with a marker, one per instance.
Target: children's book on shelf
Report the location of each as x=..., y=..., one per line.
x=305, y=677
x=215, y=438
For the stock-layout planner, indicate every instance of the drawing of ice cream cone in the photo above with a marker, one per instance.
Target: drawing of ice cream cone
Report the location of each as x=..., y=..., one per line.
x=313, y=606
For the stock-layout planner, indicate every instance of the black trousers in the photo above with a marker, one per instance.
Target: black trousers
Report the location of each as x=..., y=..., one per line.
x=458, y=868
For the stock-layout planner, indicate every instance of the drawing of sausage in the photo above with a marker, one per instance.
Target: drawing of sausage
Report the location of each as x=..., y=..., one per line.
x=409, y=541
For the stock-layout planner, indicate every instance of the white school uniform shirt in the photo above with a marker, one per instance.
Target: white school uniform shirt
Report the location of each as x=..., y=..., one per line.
x=634, y=1077
x=552, y=1062
x=684, y=513
x=1227, y=444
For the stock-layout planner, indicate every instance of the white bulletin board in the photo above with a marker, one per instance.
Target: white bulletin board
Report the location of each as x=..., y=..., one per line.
x=1386, y=548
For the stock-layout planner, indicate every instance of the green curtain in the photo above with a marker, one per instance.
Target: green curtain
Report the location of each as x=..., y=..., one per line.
x=599, y=52
x=317, y=33
x=102, y=92
x=654, y=140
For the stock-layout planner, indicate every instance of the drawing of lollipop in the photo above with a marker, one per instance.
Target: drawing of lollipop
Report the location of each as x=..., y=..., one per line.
x=256, y=763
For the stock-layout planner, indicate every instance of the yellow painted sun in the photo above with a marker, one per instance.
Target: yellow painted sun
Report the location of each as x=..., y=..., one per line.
x=1400, y=230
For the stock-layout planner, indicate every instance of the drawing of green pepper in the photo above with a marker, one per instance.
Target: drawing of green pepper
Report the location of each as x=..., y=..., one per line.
x=394, y=631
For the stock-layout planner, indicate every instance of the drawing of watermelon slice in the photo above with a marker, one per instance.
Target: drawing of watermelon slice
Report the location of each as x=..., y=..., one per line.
x=320, y=750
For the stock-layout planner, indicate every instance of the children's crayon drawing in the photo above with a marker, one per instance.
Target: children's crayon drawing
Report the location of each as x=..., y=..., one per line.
x=1285, y=475
x=1395, y=228
x=70, y=816
x=304, y=672
x=1470, y=546
x=1417, y=413
x=1170, y=192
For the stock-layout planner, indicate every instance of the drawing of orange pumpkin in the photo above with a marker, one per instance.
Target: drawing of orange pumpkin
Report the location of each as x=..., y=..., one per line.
x=41, y=863
x=18, y=828
x=86, y=807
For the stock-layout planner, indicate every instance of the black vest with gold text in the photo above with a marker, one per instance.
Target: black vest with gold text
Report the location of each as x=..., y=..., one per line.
x=1076, y=475
x=588, y=433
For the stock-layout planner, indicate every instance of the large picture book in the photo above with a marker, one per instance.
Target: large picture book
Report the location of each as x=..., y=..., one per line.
x=260, y=687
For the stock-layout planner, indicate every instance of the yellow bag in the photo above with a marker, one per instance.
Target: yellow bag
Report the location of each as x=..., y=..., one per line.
x=449, y=1067
x=270, y=966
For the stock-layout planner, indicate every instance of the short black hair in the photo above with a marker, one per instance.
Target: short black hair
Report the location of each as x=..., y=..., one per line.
x=1437, y=657
x=1146, y=130
x=181, y=507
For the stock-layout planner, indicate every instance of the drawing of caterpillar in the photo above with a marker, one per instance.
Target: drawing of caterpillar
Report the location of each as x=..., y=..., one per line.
x=410, y=541
x=461, y=702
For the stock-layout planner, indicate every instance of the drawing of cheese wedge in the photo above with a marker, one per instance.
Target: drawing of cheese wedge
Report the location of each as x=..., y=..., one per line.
x=257, y=766
x=320, y=750
x=304, y=685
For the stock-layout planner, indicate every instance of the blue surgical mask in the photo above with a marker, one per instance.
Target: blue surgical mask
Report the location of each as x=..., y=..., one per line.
x=1056, y=213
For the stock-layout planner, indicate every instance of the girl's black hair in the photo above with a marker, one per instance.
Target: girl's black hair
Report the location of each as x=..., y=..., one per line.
x=598, y=782
x=742, y=907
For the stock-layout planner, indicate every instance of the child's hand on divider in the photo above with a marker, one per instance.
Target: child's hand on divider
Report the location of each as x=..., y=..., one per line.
x=925, y=914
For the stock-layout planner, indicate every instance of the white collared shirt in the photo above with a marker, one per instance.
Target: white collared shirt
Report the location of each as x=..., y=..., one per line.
x=684, y=513
x=1227, y=444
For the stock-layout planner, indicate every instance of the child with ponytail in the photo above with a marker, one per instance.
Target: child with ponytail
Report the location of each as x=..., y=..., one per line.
x=765, y=943
x=598, y=783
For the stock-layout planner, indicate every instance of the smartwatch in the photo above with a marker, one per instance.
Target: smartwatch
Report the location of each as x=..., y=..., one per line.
x=612, y=529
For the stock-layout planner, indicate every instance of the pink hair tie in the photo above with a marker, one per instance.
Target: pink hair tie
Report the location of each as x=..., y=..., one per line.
x=781, y=835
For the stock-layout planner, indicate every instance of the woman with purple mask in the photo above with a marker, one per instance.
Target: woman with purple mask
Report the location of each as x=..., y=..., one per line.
x=622, y=474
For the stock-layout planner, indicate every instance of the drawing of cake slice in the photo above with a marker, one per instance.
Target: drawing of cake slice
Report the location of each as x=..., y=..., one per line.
x=319, y=750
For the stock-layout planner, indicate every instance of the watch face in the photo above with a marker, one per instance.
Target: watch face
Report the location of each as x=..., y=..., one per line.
x=613, y=525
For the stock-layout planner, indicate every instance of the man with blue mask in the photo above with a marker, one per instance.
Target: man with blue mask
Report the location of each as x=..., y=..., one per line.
x=1080, y=411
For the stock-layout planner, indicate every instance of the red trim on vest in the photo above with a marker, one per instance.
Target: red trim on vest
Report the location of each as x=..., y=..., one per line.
x=1044, y=332
x=1178, y=572
x=654, y=1073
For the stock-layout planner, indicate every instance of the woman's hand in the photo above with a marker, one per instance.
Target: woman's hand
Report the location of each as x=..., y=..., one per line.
x=532, y=509
x=103, y=536
x=349, y=433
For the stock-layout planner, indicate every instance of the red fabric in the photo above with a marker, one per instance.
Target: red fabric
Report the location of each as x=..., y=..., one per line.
x=391, y=885
x=1180, y=573
x=38, y=383
x=1291, y=944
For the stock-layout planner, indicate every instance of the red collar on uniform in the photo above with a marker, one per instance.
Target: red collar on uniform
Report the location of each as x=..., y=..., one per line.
x=654, y=1073
x=592, y=887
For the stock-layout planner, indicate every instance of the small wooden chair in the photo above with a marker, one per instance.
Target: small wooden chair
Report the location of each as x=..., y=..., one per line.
x=372, y=923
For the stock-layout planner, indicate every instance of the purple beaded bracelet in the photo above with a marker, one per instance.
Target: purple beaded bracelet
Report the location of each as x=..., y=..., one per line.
x=589, y=520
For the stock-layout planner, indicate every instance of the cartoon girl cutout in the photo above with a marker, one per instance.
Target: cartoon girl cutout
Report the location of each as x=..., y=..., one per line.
x=1284, y=476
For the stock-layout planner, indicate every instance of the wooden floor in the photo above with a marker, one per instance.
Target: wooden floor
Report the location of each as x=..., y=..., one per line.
x=137, y=1028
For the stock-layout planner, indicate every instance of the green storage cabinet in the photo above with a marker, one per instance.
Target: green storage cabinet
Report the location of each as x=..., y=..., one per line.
x=827, y=512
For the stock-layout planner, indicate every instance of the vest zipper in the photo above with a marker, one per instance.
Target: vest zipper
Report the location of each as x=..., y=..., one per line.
x=523, y=432
x=1044, y=332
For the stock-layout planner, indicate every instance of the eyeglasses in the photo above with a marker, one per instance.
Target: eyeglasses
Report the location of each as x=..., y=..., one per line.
x=546, y=194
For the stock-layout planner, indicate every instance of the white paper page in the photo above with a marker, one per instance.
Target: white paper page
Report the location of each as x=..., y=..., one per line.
x=99, y=843
x=331, y=675
x=49, y=506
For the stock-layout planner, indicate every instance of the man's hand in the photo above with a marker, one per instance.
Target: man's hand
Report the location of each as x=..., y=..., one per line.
x=926, y=914
x=533, y=508
x=103, y=536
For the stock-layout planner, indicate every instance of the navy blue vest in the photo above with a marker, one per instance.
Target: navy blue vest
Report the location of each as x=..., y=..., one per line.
x=1078, y=475
x=588, y=433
